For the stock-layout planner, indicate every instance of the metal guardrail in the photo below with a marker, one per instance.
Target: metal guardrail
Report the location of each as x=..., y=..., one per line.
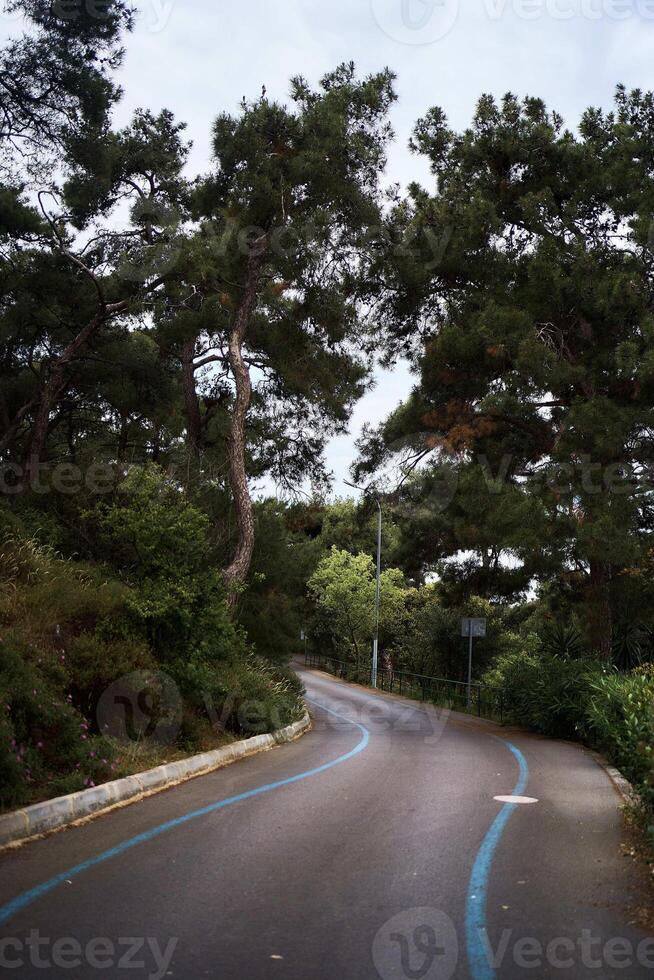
x=484, y=702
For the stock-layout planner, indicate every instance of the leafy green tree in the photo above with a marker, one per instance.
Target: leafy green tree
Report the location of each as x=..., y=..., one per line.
x=351, y=526
x=162, y=544
x=343, y=590
x=56, y=84
x=479, y=535
x=431, y=643
x=532, y=328
x=57, y=88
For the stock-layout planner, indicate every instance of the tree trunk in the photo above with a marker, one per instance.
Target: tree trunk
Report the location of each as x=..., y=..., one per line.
x=237, y=571
x=191, y=402
x=11, y=430
x=39, y=433
x=48, y=397
x=55, y=384
x=600, y=609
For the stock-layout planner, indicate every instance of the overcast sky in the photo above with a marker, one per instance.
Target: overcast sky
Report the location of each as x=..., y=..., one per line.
x=198, y=57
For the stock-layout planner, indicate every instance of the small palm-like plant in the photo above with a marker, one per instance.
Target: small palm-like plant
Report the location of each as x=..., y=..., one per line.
x=632, y=644
x=563, y=640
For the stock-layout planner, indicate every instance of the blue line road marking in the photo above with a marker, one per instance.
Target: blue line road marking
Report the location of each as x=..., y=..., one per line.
x=11, y=909
x=476, y=926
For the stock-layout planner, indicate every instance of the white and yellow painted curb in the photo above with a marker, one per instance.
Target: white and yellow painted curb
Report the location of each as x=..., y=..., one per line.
x=43, y=818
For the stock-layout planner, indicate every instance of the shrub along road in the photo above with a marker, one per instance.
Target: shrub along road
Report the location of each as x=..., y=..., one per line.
x=374, y=846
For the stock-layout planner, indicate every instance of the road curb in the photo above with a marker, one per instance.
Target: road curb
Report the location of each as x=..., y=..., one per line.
x=43, y=818
x=622, y=785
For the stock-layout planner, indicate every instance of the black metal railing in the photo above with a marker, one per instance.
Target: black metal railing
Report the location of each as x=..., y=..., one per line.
x=482, y=701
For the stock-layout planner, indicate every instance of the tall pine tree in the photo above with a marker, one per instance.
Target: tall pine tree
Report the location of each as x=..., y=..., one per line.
x=532, y=330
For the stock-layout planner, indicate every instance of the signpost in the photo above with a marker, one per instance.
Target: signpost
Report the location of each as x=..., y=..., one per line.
x=472, y=628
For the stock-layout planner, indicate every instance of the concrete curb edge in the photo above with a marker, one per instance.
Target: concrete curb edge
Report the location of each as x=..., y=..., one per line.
x=622, y=785
x=43, y=818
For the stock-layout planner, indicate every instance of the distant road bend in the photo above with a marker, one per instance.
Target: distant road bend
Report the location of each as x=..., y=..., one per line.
x=394, y=841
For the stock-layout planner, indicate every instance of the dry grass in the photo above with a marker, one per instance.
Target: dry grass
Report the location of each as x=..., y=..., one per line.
x=136, y=757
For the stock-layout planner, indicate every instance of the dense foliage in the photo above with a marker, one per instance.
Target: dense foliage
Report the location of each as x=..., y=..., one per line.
x=142, y=610
x=165, y=341
x=579, y=699
x=170, y=340
x=531, y=330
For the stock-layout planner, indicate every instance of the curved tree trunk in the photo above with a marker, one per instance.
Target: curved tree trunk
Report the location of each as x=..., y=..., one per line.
x=237, y=571
x=12, y=426
x=191, y=402
x=50, y=393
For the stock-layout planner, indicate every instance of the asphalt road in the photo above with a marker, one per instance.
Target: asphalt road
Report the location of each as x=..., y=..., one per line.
x=373, y=847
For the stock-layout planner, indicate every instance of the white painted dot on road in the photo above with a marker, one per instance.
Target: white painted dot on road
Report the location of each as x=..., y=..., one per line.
x=516, y=799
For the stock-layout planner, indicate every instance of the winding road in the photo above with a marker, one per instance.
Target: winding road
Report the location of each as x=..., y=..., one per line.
x=394, y=841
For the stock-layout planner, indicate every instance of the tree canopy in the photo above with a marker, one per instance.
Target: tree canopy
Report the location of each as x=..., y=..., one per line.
x=532, y=334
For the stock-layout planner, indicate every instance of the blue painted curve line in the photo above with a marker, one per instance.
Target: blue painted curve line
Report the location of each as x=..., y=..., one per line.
x=11, y=909
x=479, y=953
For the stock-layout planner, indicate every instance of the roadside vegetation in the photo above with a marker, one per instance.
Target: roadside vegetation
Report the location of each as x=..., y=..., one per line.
x=138, y=606
x=171, y=343
x=535, y=656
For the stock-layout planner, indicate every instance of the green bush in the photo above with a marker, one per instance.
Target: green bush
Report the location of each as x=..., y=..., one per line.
x=619, y=720
x=246, y=697
x=46, y=745
x=93, y=663
x=543, y=692
x=611, y=712
x=160, y=545
x=147, y=600
x=431, y=641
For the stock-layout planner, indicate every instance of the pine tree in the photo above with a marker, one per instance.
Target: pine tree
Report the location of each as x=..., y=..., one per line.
x=532, y=327
x=294, y=192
